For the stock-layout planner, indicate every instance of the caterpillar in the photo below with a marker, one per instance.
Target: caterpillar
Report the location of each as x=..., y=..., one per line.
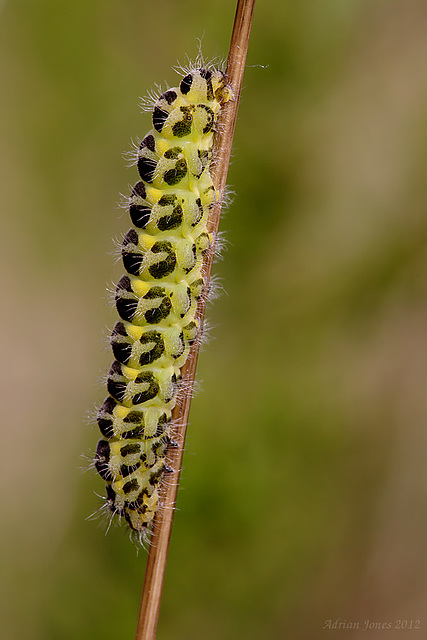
x=157, y=298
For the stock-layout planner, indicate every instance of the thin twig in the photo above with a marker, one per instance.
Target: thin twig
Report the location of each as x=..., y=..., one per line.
x=162, y=527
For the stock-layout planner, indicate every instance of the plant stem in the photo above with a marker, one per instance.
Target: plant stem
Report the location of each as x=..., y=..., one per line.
x=162, y=526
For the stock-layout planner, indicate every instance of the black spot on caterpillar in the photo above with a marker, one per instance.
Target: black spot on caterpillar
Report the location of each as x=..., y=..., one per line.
x=157, y=298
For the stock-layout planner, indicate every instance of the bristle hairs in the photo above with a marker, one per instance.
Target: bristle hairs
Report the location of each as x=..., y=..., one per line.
x=157, y=298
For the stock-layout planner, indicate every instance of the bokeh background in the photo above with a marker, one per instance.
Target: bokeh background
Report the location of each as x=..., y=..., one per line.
x=304, y=489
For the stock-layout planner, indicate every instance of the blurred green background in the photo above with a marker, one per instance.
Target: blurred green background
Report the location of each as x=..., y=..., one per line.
x=303, y=494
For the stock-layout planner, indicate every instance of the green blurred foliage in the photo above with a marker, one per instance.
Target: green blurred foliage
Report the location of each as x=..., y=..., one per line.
x=303, y=494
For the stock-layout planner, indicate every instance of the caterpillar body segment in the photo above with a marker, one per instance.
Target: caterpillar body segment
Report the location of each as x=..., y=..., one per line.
x=156, y=299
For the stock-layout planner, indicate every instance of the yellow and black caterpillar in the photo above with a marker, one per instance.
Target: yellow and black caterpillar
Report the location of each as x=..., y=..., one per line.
x=157, y=298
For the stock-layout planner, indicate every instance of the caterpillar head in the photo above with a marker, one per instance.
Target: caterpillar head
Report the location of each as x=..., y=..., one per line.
x=203, y=85
x=189, y=111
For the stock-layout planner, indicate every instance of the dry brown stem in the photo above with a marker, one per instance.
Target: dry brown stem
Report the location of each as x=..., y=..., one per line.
x=162, y=527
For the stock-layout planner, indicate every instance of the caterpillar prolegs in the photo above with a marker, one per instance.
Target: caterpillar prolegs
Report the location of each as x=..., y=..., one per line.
x=157, y=298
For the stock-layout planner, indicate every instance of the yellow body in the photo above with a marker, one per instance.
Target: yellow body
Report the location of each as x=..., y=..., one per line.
x=157, y=299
